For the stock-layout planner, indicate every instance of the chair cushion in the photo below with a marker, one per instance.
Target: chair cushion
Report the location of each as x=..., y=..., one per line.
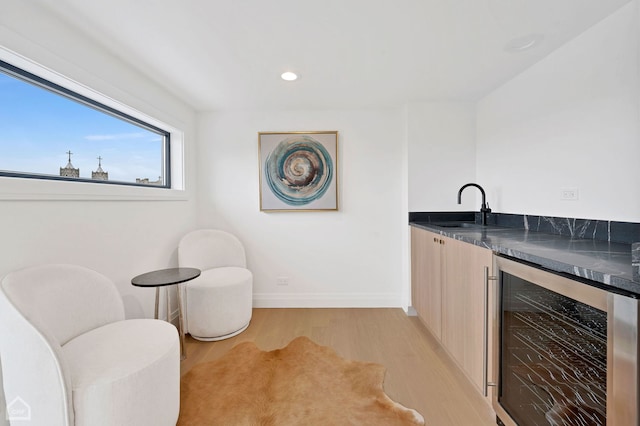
x=219, y=302
x=126, y=373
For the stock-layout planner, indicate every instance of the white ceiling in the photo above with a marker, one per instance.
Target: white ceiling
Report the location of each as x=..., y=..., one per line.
x=229, y=54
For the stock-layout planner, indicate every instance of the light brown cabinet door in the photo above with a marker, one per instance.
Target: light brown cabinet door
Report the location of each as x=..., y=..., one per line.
x=426, y=281
x=463, y=305
x=448, y=294
x=454, y=300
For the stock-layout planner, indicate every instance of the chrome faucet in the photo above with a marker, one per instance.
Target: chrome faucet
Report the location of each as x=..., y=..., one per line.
x=484, y=209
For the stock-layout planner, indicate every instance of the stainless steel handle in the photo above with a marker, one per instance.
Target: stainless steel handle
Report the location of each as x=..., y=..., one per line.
x=485, y=334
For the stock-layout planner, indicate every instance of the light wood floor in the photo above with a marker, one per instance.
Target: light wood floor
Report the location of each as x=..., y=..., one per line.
x=420, y=375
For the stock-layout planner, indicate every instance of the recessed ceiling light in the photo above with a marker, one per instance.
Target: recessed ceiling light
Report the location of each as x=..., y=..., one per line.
x=520, y=44
x=289, y=76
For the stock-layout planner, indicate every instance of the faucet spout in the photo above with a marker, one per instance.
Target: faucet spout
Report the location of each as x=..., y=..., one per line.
x=484, y=208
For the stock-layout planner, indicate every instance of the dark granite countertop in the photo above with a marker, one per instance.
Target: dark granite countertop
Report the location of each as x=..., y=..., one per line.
x=608, y=264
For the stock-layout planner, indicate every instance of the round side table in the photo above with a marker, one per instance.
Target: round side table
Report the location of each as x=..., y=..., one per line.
x=165, y=278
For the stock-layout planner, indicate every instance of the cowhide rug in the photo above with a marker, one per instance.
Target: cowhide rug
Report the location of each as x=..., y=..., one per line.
x=301, y=384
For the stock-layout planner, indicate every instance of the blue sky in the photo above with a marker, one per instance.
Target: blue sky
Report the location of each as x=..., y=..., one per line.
x=38, y=127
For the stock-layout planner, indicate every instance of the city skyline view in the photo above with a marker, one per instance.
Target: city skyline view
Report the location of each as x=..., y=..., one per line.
x=39, y=127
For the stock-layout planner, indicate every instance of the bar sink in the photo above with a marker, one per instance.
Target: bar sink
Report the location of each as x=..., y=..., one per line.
x=457, y=225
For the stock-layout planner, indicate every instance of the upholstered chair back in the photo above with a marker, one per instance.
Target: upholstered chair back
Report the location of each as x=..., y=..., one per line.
x=64, y=301
x=69, y=355
x=210, y=248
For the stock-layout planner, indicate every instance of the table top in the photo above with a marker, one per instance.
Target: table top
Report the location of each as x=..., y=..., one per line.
x=164, y=277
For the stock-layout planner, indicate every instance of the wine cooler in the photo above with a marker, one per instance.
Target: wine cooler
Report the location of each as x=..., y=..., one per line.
x=566, y=352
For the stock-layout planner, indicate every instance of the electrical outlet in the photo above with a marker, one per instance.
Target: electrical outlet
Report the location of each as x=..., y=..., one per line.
x=282, y=280
x=570, y=194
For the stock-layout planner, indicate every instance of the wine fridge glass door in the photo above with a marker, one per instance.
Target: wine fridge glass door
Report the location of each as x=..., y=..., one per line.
x=565, y=352
x=553, y=357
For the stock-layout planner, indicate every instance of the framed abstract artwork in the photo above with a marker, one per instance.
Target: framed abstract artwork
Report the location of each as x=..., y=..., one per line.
x=298, y=171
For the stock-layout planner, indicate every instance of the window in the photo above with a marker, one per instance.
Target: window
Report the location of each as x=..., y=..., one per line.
x=50, y=132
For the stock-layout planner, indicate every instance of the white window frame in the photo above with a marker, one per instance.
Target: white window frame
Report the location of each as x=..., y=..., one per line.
x=18, y=188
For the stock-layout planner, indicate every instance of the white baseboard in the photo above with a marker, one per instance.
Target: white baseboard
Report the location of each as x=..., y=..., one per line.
x=326, y=300
x=321, y=300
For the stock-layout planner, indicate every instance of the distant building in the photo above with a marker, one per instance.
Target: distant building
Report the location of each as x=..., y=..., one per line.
x=69, y=170
x=146, y=181
x=100, y=174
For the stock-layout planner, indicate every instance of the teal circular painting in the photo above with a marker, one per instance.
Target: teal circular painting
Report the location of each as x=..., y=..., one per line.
x=299, y=170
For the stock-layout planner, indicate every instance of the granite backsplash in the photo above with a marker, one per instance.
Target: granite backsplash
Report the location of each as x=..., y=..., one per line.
x=603, y=230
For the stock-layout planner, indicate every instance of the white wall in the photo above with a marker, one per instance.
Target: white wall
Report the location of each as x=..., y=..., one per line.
x=571, y=120
x=442, y=155
x=346, y=258
x=117, y=238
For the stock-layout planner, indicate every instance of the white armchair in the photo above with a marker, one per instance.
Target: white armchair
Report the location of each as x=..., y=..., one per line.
x=70, y=358
x=219, y=302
